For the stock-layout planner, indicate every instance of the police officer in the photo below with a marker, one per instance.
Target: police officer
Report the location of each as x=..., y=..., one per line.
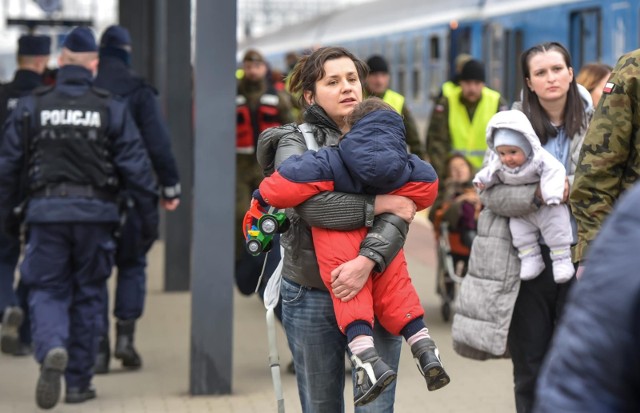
x=609, y=161
x=258, y=107
x=460, y=117
x=81, y=143
x=15, y=335
x=377, y=84
x=116, y=76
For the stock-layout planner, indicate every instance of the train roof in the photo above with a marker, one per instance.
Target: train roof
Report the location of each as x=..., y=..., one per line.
x=384, y=17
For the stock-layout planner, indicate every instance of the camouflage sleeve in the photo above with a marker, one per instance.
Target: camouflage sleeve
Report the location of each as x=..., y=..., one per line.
x=284, y=108
x=438, y=140
x=413, y=139
x=603, y=163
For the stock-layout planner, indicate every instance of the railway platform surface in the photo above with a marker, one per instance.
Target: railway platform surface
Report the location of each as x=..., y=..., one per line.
x=163, y=339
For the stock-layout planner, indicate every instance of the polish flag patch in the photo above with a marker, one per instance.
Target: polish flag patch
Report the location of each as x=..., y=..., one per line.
x=608, y=88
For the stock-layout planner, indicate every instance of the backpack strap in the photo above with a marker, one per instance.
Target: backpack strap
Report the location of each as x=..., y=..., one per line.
x=309, y=137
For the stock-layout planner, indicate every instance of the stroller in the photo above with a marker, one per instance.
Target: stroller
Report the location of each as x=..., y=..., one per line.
x=453, y=249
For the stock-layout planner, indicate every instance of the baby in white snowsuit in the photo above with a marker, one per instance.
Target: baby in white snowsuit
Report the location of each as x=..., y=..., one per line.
x=517, y=158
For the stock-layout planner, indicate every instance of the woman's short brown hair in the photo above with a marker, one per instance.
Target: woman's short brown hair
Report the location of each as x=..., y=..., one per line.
x=310, y=69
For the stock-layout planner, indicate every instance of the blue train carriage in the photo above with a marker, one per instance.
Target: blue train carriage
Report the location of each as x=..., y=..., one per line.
x=593, y=31
x=421, y=39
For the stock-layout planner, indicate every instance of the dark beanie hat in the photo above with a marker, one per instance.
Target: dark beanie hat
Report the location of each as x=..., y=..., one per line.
x=115, y=36
x=30, y=45
x=80, y=40
x=377, y=63
x=472, y=70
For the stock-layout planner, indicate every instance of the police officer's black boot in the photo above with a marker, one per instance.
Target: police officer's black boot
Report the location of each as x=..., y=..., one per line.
x=124, y=344
x=104, y=356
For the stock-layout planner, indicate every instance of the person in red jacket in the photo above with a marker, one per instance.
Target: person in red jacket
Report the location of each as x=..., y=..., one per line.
x=370, y=159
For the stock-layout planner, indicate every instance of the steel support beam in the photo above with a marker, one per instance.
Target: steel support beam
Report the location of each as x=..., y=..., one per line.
x=214, y=199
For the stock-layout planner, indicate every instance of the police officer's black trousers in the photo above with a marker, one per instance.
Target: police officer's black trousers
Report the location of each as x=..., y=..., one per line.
x=537, y=311
x=66, y=267
x=9, y=254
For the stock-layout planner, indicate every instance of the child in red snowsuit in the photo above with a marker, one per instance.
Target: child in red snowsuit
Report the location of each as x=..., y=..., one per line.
x=370, y=159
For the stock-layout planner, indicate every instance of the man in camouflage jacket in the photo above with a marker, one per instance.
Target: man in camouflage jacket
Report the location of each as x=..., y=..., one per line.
x=610, y=157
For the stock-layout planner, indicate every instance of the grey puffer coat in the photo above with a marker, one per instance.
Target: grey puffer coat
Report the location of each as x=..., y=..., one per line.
x=332, y=210
x=488, y=293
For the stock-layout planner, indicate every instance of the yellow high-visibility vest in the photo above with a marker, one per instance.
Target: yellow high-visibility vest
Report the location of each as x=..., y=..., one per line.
x=469, y=136
x=449, y=87
x=394, y=99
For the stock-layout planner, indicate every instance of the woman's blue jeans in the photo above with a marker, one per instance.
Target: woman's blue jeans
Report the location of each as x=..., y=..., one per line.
x=318, y=349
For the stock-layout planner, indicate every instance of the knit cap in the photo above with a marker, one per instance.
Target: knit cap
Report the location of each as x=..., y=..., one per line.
x=377, y=64
x=472, y=70
x=511, y=137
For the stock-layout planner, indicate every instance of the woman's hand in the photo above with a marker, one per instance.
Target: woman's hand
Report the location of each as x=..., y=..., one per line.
x=401, y=206
x=348, y=279
x=565, y=196
x=471, y=197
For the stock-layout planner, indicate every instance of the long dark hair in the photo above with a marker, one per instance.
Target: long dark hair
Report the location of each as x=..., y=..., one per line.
x=310, y=69
x=575, y=119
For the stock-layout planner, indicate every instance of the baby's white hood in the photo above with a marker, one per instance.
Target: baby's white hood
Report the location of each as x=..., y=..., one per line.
x=515, y=120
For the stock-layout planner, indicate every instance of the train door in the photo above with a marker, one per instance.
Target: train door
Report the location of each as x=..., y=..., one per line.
x=460, y=38
x=585, y=36
x=503, y=47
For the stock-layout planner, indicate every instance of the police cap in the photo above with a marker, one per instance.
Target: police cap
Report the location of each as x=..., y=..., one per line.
x=31, y=45
x=80, y=40
x=115, y=36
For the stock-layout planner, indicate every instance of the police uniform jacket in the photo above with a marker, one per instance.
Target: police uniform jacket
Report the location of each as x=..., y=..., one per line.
x=333, y=210
x=120, y=80
x=23, y=83
x=128, y=157
x=593, y=364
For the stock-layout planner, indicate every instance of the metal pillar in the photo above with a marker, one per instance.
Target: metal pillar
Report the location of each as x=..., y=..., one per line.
x=139, y=18
x=214, y=199
x=178, y=103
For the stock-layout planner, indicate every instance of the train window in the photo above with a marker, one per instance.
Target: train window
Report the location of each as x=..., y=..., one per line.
x=416, y=74
x=402, y=79
x=434, y=44
x=586, y=35
x=416, y=83
x=436, y=73
x=495, y=52
x=402, y=52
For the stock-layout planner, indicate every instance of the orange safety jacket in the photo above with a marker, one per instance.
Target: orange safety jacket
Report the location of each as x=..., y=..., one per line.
x=250, y=123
